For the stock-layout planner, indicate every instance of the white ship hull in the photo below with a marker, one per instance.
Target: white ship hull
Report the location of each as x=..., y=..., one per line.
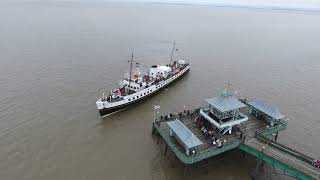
x=106, y=109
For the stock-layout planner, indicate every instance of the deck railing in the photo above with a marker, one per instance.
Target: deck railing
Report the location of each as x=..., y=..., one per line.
x=271, y=130
x=190, y=159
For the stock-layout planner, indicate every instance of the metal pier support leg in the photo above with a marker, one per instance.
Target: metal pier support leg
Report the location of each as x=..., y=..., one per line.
x=206, y=166
x=165, y=150
x=256, y=171
x=153, y=129
x=158, y=138
x=244, y=154
x=185, y=170
x=276, y=138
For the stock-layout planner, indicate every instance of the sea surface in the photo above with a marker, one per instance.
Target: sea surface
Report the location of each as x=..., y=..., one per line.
x=57, y=58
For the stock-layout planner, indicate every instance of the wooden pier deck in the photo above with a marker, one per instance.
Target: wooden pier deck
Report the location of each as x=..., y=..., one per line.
x=207, y=149
x=251, y=130
x=204, y=151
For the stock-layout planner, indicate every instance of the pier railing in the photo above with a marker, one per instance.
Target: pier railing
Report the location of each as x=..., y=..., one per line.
x=290, y=161
x=271, y=130
x=199, y=155
x=275, y=163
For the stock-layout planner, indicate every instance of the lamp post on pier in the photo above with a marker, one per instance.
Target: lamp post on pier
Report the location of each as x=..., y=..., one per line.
x=156, y=107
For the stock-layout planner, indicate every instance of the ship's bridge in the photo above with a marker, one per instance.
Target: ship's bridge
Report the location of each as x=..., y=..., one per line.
x=161, y=71
x=224, y=112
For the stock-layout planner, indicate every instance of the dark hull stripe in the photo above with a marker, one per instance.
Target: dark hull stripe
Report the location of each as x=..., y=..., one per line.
x=106, y=111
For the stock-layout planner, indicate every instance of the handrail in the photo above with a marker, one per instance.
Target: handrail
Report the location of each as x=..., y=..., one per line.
x=271, y=130
x=275, y=163
x=198, y=156
x=288, y=150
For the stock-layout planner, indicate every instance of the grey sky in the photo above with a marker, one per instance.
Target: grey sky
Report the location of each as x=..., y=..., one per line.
x=299, y=5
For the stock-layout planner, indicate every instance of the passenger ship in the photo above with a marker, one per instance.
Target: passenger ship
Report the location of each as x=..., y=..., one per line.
x=137, y=87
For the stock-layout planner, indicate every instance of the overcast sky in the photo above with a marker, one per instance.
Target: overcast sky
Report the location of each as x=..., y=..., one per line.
x=294, y=4
x=305, y=5
x=308, y=5
x=302, y=2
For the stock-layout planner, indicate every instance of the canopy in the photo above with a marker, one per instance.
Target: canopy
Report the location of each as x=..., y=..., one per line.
x=226, y=102
x=186, y=137
x=266, y=109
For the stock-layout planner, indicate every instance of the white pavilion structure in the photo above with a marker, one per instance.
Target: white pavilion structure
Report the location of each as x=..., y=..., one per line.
x=224, y=112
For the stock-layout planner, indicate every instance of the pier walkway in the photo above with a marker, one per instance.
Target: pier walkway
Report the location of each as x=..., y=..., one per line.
x=284, y=158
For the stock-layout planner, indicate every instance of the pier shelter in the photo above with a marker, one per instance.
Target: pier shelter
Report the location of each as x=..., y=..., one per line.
x=185, y=137
x=224, y=112
x=265, y=112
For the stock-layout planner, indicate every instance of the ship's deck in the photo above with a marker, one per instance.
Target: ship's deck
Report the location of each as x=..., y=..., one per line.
x=149, y=84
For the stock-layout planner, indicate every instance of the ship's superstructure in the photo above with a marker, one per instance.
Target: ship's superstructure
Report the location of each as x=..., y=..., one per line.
x=137, y=86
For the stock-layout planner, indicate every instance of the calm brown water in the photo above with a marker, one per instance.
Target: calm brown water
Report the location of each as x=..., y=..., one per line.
x=57, y=58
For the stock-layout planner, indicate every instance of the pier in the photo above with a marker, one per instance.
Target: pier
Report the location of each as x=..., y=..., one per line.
x=249, y=132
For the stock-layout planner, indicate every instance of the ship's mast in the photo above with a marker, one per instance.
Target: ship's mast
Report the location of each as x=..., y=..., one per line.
x=174, y=43
x=130, y=69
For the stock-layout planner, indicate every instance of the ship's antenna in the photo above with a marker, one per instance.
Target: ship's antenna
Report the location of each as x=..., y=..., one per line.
x=130, y=69
x=228, y=86
x=174, y=43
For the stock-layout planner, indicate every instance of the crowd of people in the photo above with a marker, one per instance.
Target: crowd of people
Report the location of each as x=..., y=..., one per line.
x=208, y=131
